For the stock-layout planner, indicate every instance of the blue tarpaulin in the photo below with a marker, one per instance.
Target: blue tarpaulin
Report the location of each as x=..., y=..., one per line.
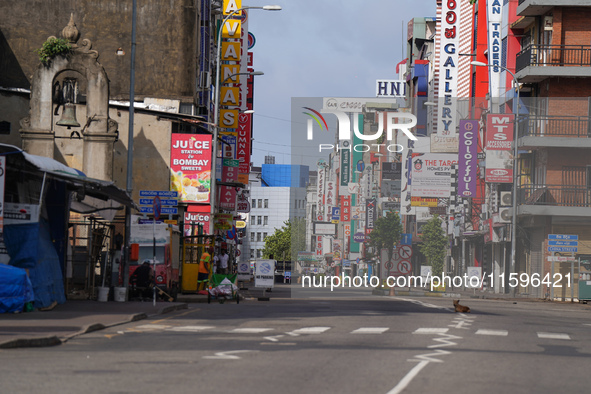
x=15, y=289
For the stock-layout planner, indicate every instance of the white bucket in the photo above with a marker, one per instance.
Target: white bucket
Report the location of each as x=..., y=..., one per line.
x=103, y=294
x=120, y=294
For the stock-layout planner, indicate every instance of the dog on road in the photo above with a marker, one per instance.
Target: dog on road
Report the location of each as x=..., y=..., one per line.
x=461, y=308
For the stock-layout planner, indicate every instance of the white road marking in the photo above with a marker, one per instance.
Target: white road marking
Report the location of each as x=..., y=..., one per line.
x=228, y=355
x=501, y=333
x=310, y=330
x=408, y=378
x=248, y=330
x=370, y=330
x=427, y=356
x=553, y=335
x=152, y=327
x=431, y=330
x=190, y=328
x=273, y=338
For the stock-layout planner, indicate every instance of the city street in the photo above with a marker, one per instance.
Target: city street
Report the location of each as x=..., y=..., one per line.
x=366, y=344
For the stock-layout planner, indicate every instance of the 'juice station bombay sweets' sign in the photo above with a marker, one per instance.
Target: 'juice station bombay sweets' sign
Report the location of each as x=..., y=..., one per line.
x=190, y=165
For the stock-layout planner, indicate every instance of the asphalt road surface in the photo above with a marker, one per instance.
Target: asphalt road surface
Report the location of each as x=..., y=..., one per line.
x=367, y=344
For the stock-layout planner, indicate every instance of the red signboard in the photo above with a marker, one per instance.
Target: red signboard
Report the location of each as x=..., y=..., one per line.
x=228, y=193
x=190, y=164
x=499, y=138
x=345, y=208
x=243, y=142
x=198, y=214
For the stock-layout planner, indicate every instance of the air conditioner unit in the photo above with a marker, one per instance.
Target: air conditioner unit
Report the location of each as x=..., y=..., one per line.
x=505, y=215
x=506, y=199
x=204, y=79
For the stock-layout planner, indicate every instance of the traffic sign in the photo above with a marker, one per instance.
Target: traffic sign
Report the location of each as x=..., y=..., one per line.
x=563, y=243
x=404, y=267
x=568, y=249
x=159, y=193
x=389, y=265
x=406, y=239
x=157, y=207
x=163, y=210
x=164, y=202
x=405, y=251
x=563, y=237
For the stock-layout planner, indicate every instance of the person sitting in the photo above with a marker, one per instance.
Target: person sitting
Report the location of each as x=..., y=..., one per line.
x=142, y=279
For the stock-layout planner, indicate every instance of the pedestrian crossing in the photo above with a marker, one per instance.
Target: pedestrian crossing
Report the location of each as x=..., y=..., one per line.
x=315, y=330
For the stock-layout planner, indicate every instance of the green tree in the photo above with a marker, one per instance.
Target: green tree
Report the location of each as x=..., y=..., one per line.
x=434, y=245
x=286, y=241
x=386, y=234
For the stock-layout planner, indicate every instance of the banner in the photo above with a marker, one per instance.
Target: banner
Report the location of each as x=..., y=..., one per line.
x=190, y=165
x=468, y=158
x=499, y=138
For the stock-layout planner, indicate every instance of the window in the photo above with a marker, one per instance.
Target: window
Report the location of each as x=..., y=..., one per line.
x=258, y=253
x=264, y=236
x=252, y=220
x=258, y=237
x=266, y=203
x=252, y=253
x=259, y=218
x=260, y=203
x=251, y=237
x=254, y=202
x=266, y=221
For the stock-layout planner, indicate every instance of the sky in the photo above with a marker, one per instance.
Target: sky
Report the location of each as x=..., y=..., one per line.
x=321, y=48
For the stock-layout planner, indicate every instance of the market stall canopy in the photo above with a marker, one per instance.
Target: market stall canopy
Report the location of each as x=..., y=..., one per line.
x=93, y=195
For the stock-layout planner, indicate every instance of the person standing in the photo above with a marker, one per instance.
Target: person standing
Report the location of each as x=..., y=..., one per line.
x=224, y=262
x=204, y=269
x=215, y=269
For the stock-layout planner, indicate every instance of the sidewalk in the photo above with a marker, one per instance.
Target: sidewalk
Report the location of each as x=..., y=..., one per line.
x=73, y=318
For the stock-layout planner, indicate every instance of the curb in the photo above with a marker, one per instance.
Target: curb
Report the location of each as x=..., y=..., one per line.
x=54, y=340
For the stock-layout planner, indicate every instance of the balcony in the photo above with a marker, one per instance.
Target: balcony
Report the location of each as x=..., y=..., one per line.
x=538, y=62
x=541, y=7
x=556, y=200
x=557, y=131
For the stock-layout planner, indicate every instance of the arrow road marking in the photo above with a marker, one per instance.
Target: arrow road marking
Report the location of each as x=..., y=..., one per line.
x=228, y=355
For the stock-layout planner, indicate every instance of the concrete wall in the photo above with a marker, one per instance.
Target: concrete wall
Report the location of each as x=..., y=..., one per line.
x=165, y=50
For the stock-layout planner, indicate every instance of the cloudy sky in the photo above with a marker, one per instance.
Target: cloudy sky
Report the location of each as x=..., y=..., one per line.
x=321, y=48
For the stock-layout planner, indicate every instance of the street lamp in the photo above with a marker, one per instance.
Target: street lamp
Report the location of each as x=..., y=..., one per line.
x=218, y=82
x=515, y=151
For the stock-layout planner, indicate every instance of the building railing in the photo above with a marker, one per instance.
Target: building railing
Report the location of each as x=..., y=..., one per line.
x=553, y=55
x=554, y=126
x=555, y=195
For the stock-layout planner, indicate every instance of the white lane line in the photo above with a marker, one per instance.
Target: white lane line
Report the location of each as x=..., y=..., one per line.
x=251, y=330
x=310, y=330
x=553, y=335
x=190, y=328
x=408, y=378
x=152, y=327
x=431, y=330
x=228, y=355
x=370, y=330
x=501, y=333
x=273, y=338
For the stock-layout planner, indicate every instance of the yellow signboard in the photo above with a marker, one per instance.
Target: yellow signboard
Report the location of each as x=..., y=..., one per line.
x=231, y=6
x=231, y=51
x=228, y=118
x=229, y=96
x=232, y=28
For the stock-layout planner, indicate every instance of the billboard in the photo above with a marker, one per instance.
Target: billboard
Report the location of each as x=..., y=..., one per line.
x=431, y=174
x=190, y=166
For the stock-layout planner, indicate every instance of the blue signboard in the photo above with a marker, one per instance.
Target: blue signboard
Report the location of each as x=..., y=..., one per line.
x=567, y=249
x=406, y=239
x=159, y=193
x=164, y=202
x=563, y=237
x=563, y=243
x=163, y=210
x=336, y=213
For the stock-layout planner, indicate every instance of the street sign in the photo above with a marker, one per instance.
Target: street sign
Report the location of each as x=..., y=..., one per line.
x=563, y=237
x=164, y=202
x=563, y=243
x=163, y=210
x=404, y=267
x=159, y=193
x=405, y=251
x=406, y=239
x=567, y=249
x=359, y=237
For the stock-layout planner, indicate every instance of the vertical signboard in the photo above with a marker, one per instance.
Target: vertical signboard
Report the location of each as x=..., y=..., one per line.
x=345, y=173
x=370, y=213
x=228, y=193
x=320, y=196
x=499, y=138
x=190, y=165
x=345, y=208
x=243, y=146
x=494, y=16
x=448, y=67
x=467, y=158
